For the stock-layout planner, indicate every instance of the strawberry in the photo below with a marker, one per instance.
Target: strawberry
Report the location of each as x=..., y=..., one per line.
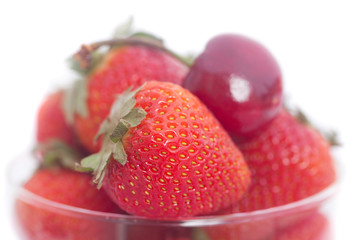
x=168, y=157
x=51, y=124
x=251, y=229
x=156, y=231
x=66, y=187
x=314, y=227
x=56, y=140
x=288, y=161
x=130, y=64
x=288, y=224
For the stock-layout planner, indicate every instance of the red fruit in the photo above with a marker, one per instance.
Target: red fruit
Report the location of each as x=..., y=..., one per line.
x=177, y=162
x=315, y=227
x=51, y=124
x=122, y=67
x=252, y=229
x=39, y=221
x=158, y=231
x=56, y=140
x=288, y=161
x=240, y=81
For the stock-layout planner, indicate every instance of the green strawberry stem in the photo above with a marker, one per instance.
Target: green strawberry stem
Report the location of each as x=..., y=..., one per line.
x=330, y=135
x=87, y=56
x=123, y=116
x=57, y=153
x=75, y=101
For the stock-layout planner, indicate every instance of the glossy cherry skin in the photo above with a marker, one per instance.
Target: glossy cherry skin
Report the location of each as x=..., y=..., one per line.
x=240, y=82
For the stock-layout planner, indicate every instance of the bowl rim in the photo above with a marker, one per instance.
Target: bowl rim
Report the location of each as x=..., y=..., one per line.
x=26, y=196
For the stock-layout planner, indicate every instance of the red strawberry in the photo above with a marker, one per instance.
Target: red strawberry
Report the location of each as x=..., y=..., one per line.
x=315, y=227
x=238, y=229
x=51, y=124
x=39, y=221
x=288, y=161
x=176, y=162
x=156, y=231
x=122, y=67
x=56, y=141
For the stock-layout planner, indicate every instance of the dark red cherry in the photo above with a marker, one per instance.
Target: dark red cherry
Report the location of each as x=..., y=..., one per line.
x=240, y=82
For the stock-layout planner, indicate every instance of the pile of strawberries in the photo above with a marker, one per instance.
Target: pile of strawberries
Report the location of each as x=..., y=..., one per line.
x=146, y=133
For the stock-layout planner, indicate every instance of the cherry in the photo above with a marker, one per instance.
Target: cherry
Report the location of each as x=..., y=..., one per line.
x=240, y=82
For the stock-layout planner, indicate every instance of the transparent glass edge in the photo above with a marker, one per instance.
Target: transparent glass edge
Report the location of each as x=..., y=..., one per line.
x=31, y=198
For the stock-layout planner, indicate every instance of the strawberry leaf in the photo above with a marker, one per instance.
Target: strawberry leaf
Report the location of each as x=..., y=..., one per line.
x=132, y=119
x=103, y=160
x=120, y=130
x=124, y=29
x=330, y=135
x=123, y=104
x=123, y=116
x=86, y=59
x=119, y=153
x=90, y=163
x=122, y=107
x=75, y=66
x=104, y=128
x=75, y=101
x=135, y=116
x=56, y=152
x=187, y=59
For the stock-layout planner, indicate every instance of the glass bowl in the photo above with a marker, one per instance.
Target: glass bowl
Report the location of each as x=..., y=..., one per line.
x=307, y=219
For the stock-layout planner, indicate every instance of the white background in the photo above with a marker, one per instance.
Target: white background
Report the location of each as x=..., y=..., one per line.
x=317, y=44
